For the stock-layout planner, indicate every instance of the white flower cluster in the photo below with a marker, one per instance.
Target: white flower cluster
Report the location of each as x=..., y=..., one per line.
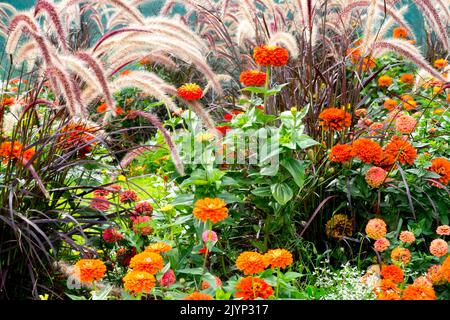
x=345, y=284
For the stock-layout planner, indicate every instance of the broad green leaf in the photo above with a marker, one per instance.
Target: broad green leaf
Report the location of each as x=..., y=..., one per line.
x=262, y=192
x=297, y=170
x=281, y=192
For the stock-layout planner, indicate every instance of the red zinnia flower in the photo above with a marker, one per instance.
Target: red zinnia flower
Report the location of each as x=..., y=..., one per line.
x=366, y=150
x=335, y=119
x=190, y=92
x=340, y=153
x=270, y=56
x=253, y=78
x=128, y=196
x=250, y=288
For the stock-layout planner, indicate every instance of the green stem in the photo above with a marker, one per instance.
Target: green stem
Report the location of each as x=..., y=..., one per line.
x=278, y=282
x=267, y=86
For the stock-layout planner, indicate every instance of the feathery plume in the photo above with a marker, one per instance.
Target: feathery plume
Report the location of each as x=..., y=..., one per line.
x=408, y=51
x=130, y=11
x=50, y=10
x=287, y=40
x=147, y=82
x=429, y=11
x=98, y=71
x=155, y=121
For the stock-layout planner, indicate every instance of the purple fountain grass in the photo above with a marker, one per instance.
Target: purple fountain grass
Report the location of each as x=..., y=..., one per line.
x=429, y=11
x=202, y=114
x=133, y=154
x=130, y=11
x=147, y=82
x=408, y=51
x=66, y=86
x=287, y=40
x=99, y=73
x=157, y=123
x=50, y=10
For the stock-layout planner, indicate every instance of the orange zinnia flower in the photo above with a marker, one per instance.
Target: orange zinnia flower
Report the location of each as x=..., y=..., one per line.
x=401, y=255
x=445, y=268
x=158, y=247
x=250, y=262
x=340, y=153
x=440, y=63
x=441, y=166
x=366, y=150
x=205, y=284
x=270, y=56
x=7, y=101
x=139, y=282
x=401, y=150
x=384, y=81
x=78, y=136
x=198, y=296
x=277, y=258
x=89, y=270
x=214, y=210
x=15, y=151
x=190, y=92
x=376, y=228
x=102, y=108
x=415, y=292
x=387, y=290
x=335, y=119
x=435, y=274
x=368, y=63
x=251, y=288
x=354, y=53
x=407, y=78
x=390, y=104
x=253, y=78
x=392, y=272
x=400, y=33
x=147, y=261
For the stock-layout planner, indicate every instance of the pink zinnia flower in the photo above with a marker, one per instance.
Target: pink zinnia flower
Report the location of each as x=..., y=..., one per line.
x=144, y=208
x=100, y=203
x=141, y=225
x=209, y=236
x=407, y=237
x=167, y=279
x=128, y=196
x=439, y=247
x=381, y=244
x=443, y=230
x=405, y=124
x=375, y=177
x=112, y=235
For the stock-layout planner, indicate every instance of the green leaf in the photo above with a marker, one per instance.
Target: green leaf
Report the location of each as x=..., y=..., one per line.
x=262, y=192
x=196, y=271
x=289, y=276
x=73, y=297
x=297, y=170
x=183, y=200
x=102, y=294
x=271, y=170
x=281, y=192
x=304, y=141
